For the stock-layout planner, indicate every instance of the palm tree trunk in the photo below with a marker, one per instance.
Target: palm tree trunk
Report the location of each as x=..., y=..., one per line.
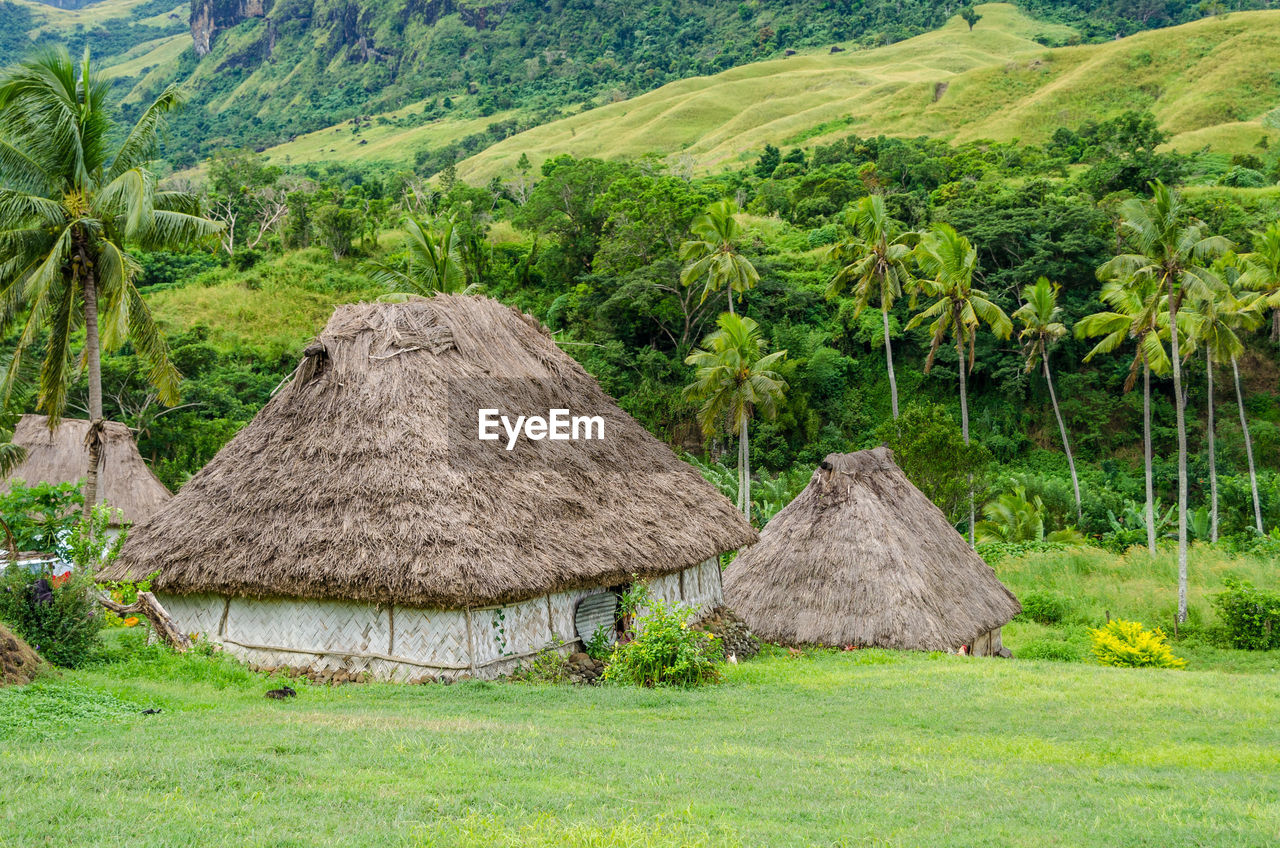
x=888, y=358
x=1213, y=453
x=1275, y=324
x=746, y=469
x=93, y=354
x=1248, y=448
x=1182, y=453
x=1066, y=445
x=964, y=424
x=1146, y=455
x=729, y=288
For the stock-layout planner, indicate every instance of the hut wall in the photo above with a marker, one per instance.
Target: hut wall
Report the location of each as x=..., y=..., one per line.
x=987, y=645
x=406, y=643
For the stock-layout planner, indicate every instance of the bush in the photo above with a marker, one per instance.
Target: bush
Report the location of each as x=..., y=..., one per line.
x=667, y=652
x=1043, y=608
x=1049, y=649
x=1127, y=644
x=62, y=627
x=1250, y=616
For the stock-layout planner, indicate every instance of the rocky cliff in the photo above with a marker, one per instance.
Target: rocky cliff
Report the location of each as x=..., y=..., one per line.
x=209, y=16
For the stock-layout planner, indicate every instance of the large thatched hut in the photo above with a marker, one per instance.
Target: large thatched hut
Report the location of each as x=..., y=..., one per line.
x=60, y=456
x=359, y=523
x=862, y=557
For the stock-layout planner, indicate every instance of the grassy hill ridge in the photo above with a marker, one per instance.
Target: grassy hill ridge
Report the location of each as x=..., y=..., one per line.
x=1202, y=80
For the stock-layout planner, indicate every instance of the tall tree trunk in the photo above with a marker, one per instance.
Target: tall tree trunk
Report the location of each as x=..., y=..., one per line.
x=1275, y=324
x=964, y=422
x=1248, y=448
x=1066, y=444
x=93, y=354
x=1213, y=453
x=746, y=469
x=1182, y=452
x=730, y=289
x=888, y=358
x=1146, y=455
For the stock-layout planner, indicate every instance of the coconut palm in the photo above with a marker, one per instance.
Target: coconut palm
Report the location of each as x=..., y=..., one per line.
x=1136, y=312
x=71, y=204
x=735, y=378
x=433, y=261
x=875, y=262
x=1216, y=318
x=1176, y=252
x=948, y=263
x=1042, y=327
x=713, y=256
x=1261, y=272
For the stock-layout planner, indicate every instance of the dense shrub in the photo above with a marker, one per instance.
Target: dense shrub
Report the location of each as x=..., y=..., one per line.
x=62, y=624
x=1043, y=608
x=1128, y=644
x=666, y=652
x=1250, y=616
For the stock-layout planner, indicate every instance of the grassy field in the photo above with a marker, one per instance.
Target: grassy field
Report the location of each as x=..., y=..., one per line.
x=271, y=310
x=827, y=748
x=862, y=748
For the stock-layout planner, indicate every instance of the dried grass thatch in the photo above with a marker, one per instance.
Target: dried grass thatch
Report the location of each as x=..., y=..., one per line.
x=363, y=479
x=862, y=557
x=19, y=664
x=124, y=480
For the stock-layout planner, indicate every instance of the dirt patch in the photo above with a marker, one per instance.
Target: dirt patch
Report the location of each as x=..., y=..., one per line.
x=19, y=664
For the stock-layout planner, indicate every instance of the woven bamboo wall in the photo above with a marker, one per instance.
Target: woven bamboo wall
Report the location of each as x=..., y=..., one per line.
x=405, y=643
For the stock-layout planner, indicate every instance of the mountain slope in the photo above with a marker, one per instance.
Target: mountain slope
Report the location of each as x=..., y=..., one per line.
x=1209, y=82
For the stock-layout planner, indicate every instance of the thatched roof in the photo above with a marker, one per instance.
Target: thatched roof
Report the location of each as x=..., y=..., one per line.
x=862, y=557
x=124, y=480
x=362, y=479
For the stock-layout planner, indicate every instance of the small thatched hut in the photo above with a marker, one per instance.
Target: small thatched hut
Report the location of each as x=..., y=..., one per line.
x=862, y=557
x=60, y=456
x=358, y=523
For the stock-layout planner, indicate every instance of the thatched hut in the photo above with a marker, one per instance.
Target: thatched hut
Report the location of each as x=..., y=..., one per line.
x=60, y=456
x=862, y=557
x=358, y=523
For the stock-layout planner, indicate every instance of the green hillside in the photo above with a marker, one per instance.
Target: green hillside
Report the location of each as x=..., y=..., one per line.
x=1202, y=80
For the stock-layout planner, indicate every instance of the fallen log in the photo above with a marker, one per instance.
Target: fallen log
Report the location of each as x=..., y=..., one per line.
x=149, y=608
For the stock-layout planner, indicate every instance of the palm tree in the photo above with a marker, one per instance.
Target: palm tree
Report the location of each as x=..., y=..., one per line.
x=734, y=379
x=433, y=263
x=1136, y=312
x=713, y=256
x=949, y=261
x=874, y=262
x=1262, y=272
x=1175, y=252
x=1041, y=327
x=1216, y=317
x=70, y=203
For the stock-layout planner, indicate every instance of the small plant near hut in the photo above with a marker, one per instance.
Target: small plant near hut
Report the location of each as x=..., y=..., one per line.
x=600, y=645
x=667, y=652
x=1128, y=644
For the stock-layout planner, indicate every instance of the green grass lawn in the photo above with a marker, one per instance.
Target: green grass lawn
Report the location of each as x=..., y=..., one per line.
x=857, y=748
